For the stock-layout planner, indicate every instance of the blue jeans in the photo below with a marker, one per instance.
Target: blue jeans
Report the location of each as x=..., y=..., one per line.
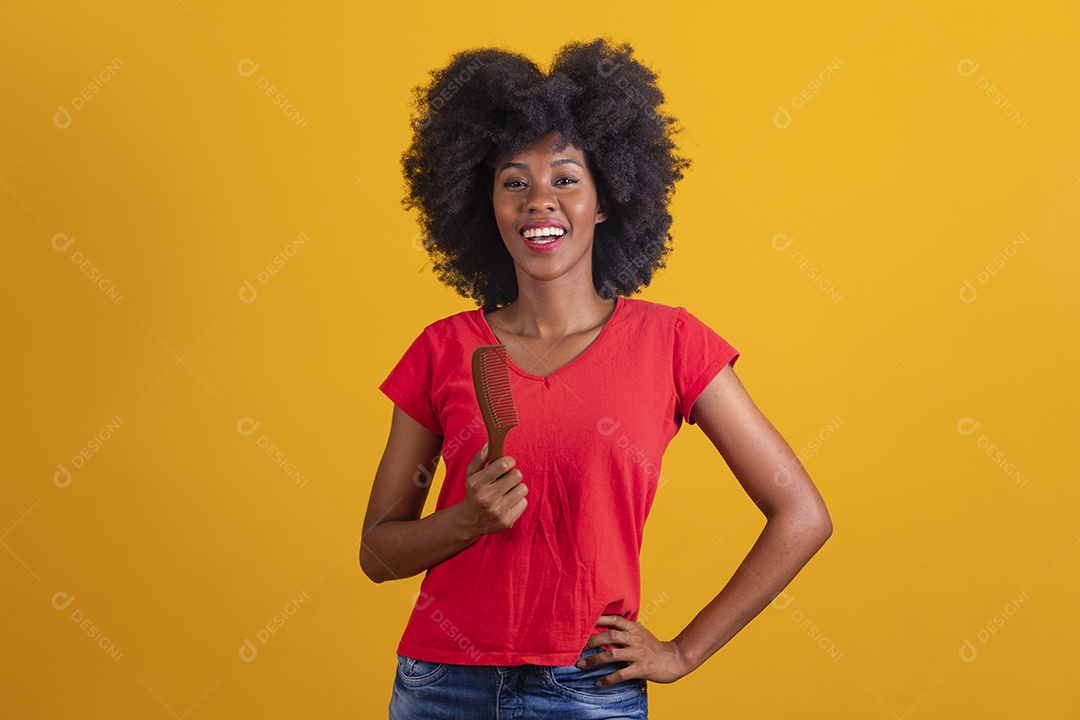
x=443, y=691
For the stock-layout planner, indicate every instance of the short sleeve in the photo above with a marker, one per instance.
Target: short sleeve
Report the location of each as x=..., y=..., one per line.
x=409, y=384
x=699, y=356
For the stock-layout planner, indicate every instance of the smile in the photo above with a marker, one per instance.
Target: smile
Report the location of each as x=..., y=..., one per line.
x=541, y=244
x=543, y=235
x=543, y=239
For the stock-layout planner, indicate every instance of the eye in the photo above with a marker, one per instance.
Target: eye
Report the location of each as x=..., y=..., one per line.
x=569, y=180
x=513, y=183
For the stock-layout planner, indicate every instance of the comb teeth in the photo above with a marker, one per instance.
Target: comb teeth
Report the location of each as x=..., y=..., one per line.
x=495, y=374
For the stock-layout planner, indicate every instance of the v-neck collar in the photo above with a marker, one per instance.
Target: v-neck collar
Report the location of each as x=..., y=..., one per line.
x=481, y=319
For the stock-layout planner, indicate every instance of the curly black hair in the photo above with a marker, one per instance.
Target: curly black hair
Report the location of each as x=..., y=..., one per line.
x=488, y=104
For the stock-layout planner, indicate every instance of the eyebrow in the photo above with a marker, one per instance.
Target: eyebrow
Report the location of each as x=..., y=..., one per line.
x=560, y=161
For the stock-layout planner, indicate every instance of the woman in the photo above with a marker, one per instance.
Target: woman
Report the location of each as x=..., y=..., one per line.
x=544, y=198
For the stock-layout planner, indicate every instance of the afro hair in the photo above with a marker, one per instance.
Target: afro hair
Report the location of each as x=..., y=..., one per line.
x=488, y=104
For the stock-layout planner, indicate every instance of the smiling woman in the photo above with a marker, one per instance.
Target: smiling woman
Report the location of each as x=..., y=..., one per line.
x=544, y=197
x=601, y=101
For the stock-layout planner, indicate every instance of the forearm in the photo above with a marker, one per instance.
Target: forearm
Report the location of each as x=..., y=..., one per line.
x=785, y=545
x=398, y=549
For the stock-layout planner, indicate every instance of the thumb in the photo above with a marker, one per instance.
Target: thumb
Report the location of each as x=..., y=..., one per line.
x=479, y=459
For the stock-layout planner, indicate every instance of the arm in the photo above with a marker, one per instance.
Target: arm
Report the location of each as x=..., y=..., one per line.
x=797, y=526
x=396, y=542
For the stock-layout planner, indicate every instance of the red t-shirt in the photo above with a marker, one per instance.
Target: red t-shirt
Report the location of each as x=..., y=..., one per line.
x=589, y=443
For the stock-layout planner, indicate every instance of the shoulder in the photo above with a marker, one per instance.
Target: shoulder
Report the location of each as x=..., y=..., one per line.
x=689, y=335
x=672, y=317
x=651, y=311
x=452, y=324
x=463, y=329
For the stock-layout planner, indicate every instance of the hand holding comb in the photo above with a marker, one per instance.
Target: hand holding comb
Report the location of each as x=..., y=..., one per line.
x=491, y=377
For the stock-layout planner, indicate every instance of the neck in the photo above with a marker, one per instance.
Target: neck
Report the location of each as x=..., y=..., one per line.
x=552, y=309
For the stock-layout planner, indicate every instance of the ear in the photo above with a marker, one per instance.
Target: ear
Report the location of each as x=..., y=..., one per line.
x=601, y=210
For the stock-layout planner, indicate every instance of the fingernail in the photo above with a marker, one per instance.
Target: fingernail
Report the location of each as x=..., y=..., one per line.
x=580, y=663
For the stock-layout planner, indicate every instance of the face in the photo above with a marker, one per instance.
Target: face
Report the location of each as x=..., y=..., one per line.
x=546, y=207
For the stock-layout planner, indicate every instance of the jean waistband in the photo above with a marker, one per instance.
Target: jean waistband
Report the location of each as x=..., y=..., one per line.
x=507, y=669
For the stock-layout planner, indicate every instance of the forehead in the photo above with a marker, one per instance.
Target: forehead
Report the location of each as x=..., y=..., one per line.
x=551, y=144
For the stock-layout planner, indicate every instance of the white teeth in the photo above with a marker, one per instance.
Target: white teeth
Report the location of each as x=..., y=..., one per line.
x=543, y=232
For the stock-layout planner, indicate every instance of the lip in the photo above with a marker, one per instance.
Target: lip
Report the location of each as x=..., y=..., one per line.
x=541, y=224
x=546, y=247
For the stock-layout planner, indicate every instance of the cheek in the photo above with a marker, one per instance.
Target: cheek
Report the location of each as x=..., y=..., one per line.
x=506, y=233
x=504, y=218
x=585, y=212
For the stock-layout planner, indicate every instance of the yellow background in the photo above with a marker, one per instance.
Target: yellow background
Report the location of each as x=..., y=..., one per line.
x=180, y=180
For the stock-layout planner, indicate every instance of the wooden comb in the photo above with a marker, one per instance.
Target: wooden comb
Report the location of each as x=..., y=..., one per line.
x=491, y=377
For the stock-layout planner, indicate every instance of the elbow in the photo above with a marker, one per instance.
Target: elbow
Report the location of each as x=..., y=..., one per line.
x=814, y=520
x=819, y=525
x=813, y=526
x=366, y=566
x=825, y=528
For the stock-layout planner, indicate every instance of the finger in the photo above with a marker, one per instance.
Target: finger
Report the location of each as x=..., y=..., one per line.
x=517, y=510
x=508, y=480
x=601, y=639
x=494, y=471
x=478, y=460
x=516, y=494
x=588, y=662
x=606, y=655
x=501, y=466
x=612, y=678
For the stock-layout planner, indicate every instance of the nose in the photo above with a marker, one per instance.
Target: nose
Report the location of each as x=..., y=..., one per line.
x=540, y=197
